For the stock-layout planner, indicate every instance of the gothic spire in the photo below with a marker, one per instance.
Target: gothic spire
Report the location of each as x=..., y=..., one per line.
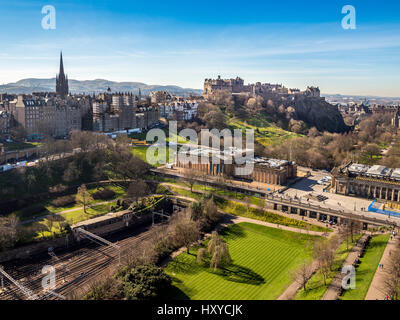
x=62, y=81
x=61, y=65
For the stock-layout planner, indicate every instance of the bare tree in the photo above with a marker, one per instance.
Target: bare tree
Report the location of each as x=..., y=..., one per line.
x=190, y=178
x=137, y=190
x=302, y=275
x=186, y=233
x=324, y=254
x=8, y=231
x=84, y=197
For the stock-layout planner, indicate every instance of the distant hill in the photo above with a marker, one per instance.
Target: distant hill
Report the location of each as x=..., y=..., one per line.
x=28, y=86
x=367, y=100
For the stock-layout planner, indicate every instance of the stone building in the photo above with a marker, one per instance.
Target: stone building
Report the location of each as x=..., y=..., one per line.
x=48, y=116
x=372, y=182
x=237, y=86
x=5, y=122
x=222, y=163
x=395, y=121
x=160, y=97
x=179, y=110
x=114, y=112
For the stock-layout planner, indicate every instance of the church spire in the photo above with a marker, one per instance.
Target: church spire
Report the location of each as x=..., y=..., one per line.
x=62, y=81
x=61, y=65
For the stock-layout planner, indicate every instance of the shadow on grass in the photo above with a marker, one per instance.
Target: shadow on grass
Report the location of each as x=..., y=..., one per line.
x=185, y=266
x=174, y=293
x=232, y=231
x=240, y=274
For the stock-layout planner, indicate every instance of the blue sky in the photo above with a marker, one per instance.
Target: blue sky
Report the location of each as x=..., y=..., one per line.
x=297, y=43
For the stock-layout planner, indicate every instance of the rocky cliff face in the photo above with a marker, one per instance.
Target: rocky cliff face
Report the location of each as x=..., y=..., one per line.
x=319, y=113
x=315, y=112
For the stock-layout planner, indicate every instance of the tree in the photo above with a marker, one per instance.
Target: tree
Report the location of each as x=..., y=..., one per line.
x=146, y=282
x=201, y=256
x=302, y=275
x=49, y=222
x=219, y=252
x=215, y=119
x=254, y=105
x=137, y=190
x=83, y=197
x=196, y=210
x=18, y=132
x=186, y=233
x=211, y=213
x=391, y=280
x=190, y=178
x=324, y=255
x=372, y=150
x=8, y=231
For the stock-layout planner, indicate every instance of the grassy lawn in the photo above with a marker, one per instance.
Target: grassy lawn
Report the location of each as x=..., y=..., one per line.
x=186, y=193
x=49, y=208
x=265, y=132
x=263, y=260
x=315, y=286
x=141, y=152
x=13, y=146
x=242, y=210
x=367, y=268
x=225, y=193
x=231, y=194
x=43, y=228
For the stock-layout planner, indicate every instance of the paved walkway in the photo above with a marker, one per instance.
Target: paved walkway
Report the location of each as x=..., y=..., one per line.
x=291, y=216
x=332, y=293
x=376, y=290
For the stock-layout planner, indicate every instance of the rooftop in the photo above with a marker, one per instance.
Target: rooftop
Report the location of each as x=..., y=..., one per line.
x=376, y=171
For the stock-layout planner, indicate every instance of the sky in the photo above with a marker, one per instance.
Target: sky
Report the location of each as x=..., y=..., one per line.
x=296, y=43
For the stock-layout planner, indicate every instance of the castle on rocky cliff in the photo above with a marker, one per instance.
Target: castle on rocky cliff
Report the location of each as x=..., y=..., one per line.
x=237, y=86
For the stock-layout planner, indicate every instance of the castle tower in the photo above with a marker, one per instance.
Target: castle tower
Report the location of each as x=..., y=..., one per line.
x=62, y=81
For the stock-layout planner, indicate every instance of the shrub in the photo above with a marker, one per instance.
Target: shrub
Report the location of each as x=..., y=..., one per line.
x=104, y=194
x=63, y=201
x=110, y=289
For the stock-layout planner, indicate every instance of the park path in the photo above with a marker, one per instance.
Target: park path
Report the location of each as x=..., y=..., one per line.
x=292, y=290
x=332, y=293
x=64, y=211
x=376, y=290
x=291, y=216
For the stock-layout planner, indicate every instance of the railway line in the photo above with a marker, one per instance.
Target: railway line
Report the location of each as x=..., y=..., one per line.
x=74, y=269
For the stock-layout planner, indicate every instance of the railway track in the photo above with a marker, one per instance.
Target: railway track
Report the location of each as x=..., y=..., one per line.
x=74, y=269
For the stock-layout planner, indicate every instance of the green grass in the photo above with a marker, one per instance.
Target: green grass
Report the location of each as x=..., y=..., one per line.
x=14, y=146
x=186, y=193
x=71, y=218
x=263, y=261
x=141, y=152
x=225, y=193
x=49, y=208
x=367, y=268
x=315, y=286
x=242, y=210
x=266, y=133
x=231, y=194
